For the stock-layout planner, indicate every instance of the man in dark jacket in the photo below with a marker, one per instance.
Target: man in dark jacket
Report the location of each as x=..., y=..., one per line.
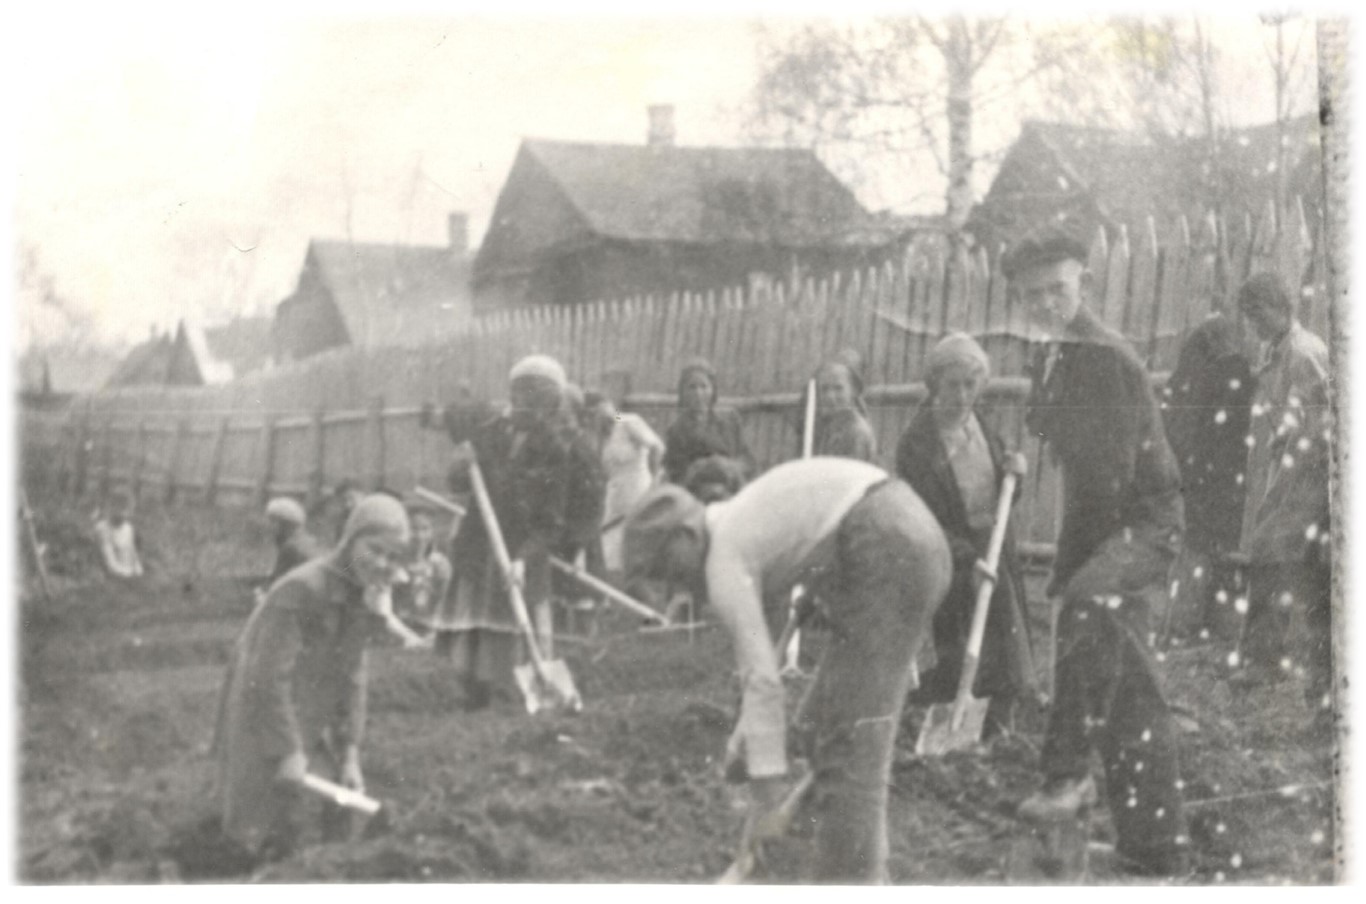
x=1121, y=530
x=1207, y=409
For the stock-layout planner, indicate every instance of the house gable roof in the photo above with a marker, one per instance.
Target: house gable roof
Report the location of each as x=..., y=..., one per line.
x=394, y=294
x=706, y=195
x=1078, y=177
x=243, y=343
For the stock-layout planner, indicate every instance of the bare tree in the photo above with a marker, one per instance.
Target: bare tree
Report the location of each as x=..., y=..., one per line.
x=899, y=91
x=1290, y=77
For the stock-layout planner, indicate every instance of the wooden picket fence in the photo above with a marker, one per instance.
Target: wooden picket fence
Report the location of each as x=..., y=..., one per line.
x=354, y=413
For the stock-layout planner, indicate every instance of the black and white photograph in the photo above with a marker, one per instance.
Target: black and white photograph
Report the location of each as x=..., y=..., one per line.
x=843, y=445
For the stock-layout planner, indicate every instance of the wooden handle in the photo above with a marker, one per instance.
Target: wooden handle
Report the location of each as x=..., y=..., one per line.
x=341, y=795
x=500, y=551
x=972, y=657
x=809, y=423
x=560, y=565
x=606, y=590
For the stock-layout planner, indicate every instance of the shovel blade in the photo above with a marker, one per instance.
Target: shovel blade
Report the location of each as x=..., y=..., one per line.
x=549, y=688
x=939, y=736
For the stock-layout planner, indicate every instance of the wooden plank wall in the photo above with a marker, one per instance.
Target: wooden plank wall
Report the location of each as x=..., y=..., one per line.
x=354, y=414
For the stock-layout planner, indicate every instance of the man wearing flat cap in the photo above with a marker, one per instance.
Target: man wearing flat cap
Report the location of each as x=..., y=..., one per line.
x=879, y=566
x=1122, y=522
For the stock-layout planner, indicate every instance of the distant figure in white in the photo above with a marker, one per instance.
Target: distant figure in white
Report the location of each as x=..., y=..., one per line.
x=631, y=456
x=116, y=538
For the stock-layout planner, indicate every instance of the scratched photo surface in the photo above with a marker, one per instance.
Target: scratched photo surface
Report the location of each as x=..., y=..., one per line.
x=413, y=420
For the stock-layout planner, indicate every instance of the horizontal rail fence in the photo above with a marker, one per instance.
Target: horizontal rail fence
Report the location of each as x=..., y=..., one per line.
x=355, y=413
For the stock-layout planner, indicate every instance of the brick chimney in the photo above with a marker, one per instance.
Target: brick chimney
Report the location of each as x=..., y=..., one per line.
x=458, y=231
x=661, y=133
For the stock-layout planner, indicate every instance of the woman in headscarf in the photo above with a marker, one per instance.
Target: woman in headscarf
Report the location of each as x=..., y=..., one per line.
x=294, y=700
x=701, y=429
x=954, y=461
x=545, y=487
x=842, y=426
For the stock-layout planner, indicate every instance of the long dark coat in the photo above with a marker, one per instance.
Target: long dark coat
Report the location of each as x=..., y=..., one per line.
x=547, y=489
x=1097, y=411
x=1207, y=411
x=1005, y=660
x=297, y=683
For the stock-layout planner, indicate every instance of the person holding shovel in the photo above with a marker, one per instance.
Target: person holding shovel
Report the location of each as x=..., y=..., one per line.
x=842, y=426
x=956, y=462
x=294, y=700
x=534, y=464
x=1122, y=524
x=878, y=565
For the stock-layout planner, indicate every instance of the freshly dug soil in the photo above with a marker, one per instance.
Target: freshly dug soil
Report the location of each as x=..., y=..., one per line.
x=119, y=683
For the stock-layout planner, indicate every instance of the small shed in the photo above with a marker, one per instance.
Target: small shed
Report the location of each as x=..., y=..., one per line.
x=373, y=295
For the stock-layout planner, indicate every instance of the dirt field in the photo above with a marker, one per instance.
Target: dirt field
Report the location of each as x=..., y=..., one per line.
x=117, y=699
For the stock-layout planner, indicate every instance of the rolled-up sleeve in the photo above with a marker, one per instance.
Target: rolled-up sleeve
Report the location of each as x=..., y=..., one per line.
x=736, y=597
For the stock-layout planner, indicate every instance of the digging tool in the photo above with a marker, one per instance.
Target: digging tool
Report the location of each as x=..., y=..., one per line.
x=792, y=649
x=773, y=825
x=545, y=683
x=341, y=795
x=959, y=726
x=32, y=531
x=587, y=580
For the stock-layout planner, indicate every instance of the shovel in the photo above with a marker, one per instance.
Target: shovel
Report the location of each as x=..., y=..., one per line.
x=775, y=824
x=578, y=574
x=545, y=683
x=958, y=726
x=341, y=795
x=791, y=649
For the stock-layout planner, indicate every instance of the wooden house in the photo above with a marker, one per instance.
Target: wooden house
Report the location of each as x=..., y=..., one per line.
x=581, y=221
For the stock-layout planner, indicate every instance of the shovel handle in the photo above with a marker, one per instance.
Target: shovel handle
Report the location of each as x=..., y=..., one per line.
x=809, y=422
x=500, y=552
x=972, y=656
x=560, y=565
x=341, y=795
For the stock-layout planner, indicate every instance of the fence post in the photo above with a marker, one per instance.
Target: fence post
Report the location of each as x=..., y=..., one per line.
x=319, y=446
x=139, y=463
x=374, y=423
x=220, y=437
x=267, y=459
x=173, y=460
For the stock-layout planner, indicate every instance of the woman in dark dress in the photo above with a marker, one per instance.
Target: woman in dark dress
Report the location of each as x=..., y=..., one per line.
x=954, y=461
x=701, y=429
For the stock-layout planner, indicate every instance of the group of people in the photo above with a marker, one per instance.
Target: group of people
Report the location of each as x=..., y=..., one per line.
x=889, y=563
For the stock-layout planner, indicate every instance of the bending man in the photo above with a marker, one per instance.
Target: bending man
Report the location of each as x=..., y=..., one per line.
x=879, y=565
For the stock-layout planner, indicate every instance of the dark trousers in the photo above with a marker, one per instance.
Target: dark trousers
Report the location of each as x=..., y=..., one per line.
x=1108, y=697
x=893, y=570
x=1277, y=593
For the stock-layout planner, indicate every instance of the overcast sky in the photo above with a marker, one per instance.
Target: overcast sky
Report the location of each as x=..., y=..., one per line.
x=176, y=166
